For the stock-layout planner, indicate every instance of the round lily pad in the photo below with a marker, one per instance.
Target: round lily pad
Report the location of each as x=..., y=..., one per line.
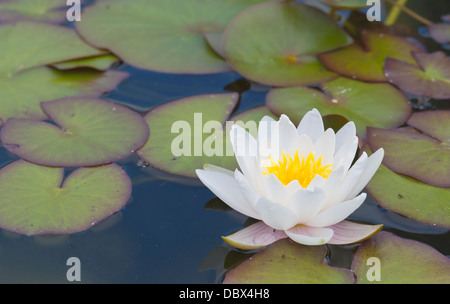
x=431, y=77
x=31, y=44
x=161, y=35
x=415, y=154
x=367, y=104
x=101, y=63
x=21, y=94
x=285, y=262
x=389, y=259
x=40, y=200
x=410, y=197
x=88, y=132
x=275, y=43
x=365, y=62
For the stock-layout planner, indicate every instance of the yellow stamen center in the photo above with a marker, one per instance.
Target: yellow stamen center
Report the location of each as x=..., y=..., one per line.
x=304, y=170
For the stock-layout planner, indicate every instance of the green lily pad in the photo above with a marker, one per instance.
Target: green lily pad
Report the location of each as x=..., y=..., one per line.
x=21, y=95
x=31, y=44
x=400, y=261
x=410, y=197
x=414, y=154
x=100, y=63
x=194, y=131
x=365, y=62
x=53, y=11
x=346, y=4
x=275, y=43
x=286, y=262
x=161, y=35
x=40, y=200
x=89, y=132
x=430, y=78
x=367, y=104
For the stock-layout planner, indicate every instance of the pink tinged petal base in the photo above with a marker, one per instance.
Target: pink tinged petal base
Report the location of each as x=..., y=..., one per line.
x=311, y=236
x=347, y=232
x=255, y=236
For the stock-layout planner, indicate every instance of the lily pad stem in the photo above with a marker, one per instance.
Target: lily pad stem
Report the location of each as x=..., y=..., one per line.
x=398, y=6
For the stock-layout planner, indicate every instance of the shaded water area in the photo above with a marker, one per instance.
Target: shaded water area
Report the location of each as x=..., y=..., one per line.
x=170, y=230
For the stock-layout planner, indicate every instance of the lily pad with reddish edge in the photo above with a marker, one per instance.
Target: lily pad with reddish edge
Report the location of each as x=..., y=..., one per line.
x=41, y=200
x=346, y=4
x=389, y=259
x=414, y=154
x=367, y=104
x=286, y=262
x=161, y=35
x=84, y=132
x=365, y=62
x=440, y=32
x=410, y=197
x=21, y=94
x=31, y=44
x=431, y=77
x=53, y=11
x=276, y=43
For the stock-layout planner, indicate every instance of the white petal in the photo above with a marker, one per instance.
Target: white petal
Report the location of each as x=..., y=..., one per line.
x=250, y=195
x=275, y=190
x=325, y=146
x=309, y=235
x=209, y=167
x=345, y=155
x=345, y=133
x=337, y=213
x=331, y=185
x=305, y=146
x=254, y=236
x=306, y=204
x=287, y=135
x=268, y=130
x=275, y=215
x=373, y=163
x=311, y=125
x=226, y=188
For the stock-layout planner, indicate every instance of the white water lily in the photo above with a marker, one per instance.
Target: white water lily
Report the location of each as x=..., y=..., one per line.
x=298, y=181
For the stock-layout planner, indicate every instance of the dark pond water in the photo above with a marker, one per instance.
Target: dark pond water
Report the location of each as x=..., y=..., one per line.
x=168, y=233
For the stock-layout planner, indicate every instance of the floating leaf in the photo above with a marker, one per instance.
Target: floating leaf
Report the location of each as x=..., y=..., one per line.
x=346, y=4
x=101, y=63
x=37, y=10
x=367, y=104
x=365, y=62
x=89, y=132
x=40, y=200
x=275, y=43
x=418, y=155
x=401, y=261
x=161, y=35
x=286, y=262
x=440, y=32
x=21, y=95
x=31, y=44
x=431, y=78
x=408, y=196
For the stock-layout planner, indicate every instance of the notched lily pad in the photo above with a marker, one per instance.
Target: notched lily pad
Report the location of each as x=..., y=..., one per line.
x=88, y=132
x=414, y=154
x=161, y=35
x=21, y=95
x=395, y=260
x=365, y=62
x=275, y=43
x=410, y=197
x=430, y=77
x=40, y=200
x=367, y=104
x=286, y=262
